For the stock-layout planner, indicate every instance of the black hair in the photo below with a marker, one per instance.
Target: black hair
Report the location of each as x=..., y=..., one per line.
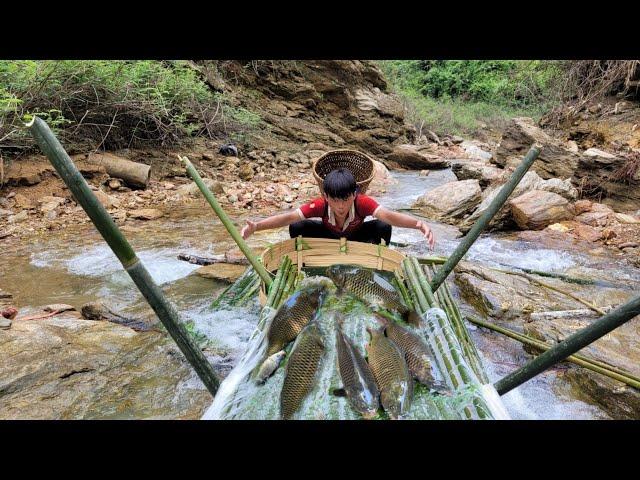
x=339, y=183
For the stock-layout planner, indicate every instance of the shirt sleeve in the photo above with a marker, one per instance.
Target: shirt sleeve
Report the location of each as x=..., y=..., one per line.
x=315, y=208
x=367, y=205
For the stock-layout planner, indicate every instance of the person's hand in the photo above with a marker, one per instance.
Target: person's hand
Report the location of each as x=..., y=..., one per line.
x=427, y=233
x=249, y=229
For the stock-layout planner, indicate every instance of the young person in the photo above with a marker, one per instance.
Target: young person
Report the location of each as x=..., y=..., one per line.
x=341, y=212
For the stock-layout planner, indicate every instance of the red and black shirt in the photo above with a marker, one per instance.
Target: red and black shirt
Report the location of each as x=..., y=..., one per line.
x=362, y=207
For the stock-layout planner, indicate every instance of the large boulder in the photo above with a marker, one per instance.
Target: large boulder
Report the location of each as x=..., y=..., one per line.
x=536, y=209
x=599, y=172
x=451, y=201
x=485, y=174
x=555, y=159
x=381, y=177
x=411, y=157
x=67, y=368
x=503, y=217
x=616, y=348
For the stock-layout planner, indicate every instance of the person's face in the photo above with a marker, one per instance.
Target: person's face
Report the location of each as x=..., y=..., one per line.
x=341, y=207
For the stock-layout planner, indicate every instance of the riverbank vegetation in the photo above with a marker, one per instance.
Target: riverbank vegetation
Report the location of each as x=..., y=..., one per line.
x=462, y=96
x=115, y=104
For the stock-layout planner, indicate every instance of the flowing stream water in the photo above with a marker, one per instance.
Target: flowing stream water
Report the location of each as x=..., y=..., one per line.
x=76, y=266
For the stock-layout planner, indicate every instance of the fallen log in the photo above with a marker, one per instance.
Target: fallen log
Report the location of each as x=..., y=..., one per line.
x=558, y=314
x=98, y=311
x=133, y=173
x=221, y=258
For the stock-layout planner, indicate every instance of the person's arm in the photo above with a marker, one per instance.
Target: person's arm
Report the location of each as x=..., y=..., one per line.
x=403, y=220
x=275, y=221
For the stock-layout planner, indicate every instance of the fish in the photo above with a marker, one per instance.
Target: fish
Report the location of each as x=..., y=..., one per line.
x=416, y=353
x=359, y=385
x=301, y=369
x=269, y=366
x=391, y=374
x=372, y=288
x=292, y=317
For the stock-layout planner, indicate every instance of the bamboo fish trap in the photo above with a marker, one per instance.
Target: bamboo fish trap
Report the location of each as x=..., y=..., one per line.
x=324, y=252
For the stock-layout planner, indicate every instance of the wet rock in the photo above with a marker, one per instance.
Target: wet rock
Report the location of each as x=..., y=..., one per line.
x=58, y=307
x=19, y=217
x=146, y=214
x=617, y=348
x=246, y=172
x=226, y=272
x=450, y=201
x=410, y=156
x=65, y=368
x=485, y=174
x=425, y=173
x=555, y=159
x=228, y=149
x=536, y=209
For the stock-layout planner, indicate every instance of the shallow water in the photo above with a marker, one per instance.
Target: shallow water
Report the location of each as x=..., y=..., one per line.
x=76, y=266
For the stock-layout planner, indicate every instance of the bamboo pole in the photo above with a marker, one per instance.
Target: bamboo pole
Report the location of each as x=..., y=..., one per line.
x=121, y=248
x=570, y=345
x=485, y=218
x=591, y=364
x=277, y=283
x=226, y=221
x=551, y=287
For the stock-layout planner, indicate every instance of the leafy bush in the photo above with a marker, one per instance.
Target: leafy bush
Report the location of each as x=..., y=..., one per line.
x=114, y=104
x=457, y=95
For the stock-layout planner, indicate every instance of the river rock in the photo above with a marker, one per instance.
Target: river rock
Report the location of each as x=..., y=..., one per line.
x=586, y=232
x=503, y=217
x=381, y=177
x=19, y=217
x=624, y=218
x=582, y=206
x=555, y=159
x=450, y=201
x=475, y=152
x=24, y=202
x=599, y=171
x=5, y=213
x=66, y=368
x=485, y=174
x=536, y=209
x=107, y=200
x=226, y=272
x=59, y=307
x=246, y=172
x=409, y=156
x=564, y=188
x=146, y=214
x=594, y=219
x=617, y=348
x=191, y=189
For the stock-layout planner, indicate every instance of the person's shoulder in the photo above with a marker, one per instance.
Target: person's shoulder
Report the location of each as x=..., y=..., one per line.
x=365, y=199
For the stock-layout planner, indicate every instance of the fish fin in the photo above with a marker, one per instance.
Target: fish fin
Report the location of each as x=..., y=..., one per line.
x=339, y=392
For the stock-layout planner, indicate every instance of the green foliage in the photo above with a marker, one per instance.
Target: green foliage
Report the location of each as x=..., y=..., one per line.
x=457, y=96
x=116, y=103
